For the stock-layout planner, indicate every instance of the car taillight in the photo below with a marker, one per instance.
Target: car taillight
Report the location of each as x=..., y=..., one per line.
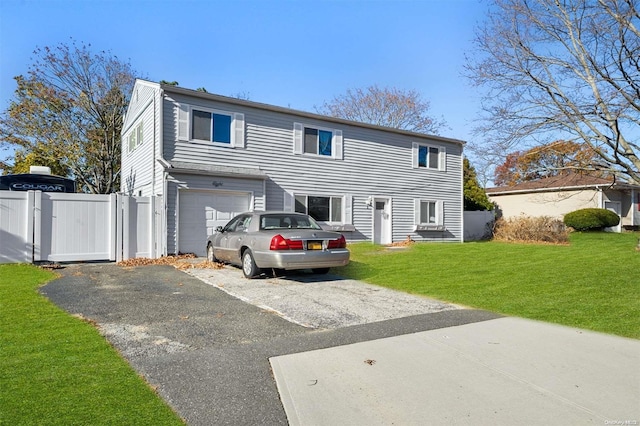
x=339, y=243
x=281, y=243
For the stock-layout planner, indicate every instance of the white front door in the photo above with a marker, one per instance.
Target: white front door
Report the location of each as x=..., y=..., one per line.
x=616, y=207
x=201, y=212
x=382, y=221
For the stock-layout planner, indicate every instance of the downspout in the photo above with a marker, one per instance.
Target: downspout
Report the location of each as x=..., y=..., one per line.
x=154, y=227
x=165, y=174
x=634, y=207
x=600, y=197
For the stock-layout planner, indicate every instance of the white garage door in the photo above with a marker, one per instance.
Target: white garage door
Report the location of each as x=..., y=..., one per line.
x=201, y=212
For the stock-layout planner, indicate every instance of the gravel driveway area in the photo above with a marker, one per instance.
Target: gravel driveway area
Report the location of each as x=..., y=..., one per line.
x=320, y=301
x=207, y=352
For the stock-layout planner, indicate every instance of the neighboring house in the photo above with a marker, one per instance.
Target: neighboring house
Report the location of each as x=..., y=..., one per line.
x=206, y=157
x=559, y=195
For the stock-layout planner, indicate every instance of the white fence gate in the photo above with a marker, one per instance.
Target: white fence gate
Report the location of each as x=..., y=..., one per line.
x=41, y=226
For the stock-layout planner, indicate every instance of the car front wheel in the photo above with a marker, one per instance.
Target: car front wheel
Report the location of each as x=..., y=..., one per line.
x=249, y=268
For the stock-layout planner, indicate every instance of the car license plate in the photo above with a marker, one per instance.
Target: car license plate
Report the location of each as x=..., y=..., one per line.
x=314, y=245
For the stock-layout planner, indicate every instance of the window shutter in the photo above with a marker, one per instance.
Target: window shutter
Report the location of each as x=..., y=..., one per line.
x=440, y=210
x=337, y=144
x=414, y=155
x=348, y=209
x=238, y=130
x=442, y=158
x=183, y=122
x=416, y=211
x=288, y=202
x=297, y=138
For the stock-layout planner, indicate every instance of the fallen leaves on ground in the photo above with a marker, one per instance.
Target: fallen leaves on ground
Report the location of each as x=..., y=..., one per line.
x=181, y=261
x=404, y=243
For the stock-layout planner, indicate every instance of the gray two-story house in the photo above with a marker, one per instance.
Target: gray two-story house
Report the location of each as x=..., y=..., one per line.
x=205, y=157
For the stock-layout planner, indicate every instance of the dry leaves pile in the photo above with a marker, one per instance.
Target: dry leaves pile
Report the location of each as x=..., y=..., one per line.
x=181, y=261
x=404, y=243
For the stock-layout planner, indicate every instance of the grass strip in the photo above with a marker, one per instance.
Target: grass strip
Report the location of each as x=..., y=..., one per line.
x=592, y=283
x=56, y=369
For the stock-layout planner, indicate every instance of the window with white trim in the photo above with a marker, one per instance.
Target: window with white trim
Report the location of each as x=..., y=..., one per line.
x=317, y=141
x=429, y=156
x=210, y=126
x=199, y=124
x=429, y=214
x=135, y=137
x=321, y=208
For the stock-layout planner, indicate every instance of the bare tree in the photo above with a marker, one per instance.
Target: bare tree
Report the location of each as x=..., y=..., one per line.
x=69, y=109
x=561, y=69
x=384, y=107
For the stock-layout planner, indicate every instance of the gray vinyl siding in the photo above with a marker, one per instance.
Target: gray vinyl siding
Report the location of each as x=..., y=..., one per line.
x=138, y=167
x=179, y=181
x=375, y=163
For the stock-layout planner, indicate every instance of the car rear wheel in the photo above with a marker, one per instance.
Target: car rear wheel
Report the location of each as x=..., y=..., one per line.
x=210, y=256
x=320, y=270
x=249, y=268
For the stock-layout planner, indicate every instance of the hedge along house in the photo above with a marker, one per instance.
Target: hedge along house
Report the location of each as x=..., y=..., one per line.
x=208, y=157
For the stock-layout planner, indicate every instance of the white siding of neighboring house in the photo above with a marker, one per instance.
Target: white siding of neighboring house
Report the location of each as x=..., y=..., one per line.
x=626, y=205
x=553, y=204
x=374, y=163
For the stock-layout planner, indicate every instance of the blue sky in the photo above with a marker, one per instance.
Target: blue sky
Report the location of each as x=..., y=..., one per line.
x=289, y=53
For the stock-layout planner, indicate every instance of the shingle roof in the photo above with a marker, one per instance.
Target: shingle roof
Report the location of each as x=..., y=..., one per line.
x=564, y=181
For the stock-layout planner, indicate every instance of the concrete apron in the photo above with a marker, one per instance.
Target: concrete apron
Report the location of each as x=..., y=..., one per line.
x=501, y=371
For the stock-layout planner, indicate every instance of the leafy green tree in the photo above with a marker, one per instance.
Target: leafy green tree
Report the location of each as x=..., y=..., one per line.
x=475, y=197
x=23, y=162
x=67, y=111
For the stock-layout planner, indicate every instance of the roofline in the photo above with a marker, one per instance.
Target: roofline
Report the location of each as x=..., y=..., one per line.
x=252, y=104
x=550, y=189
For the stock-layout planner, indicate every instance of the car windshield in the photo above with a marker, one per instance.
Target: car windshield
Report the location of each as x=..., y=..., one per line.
x=287, y=221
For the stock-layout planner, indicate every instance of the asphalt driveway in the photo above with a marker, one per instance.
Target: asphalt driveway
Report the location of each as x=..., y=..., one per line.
x=205, y=343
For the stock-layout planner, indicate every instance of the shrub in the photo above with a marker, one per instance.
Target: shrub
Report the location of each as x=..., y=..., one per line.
x=591, y=219
x=531, y=229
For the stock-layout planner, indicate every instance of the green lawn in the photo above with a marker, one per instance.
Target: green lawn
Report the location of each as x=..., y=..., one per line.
x=57, y=370
x=593, y=283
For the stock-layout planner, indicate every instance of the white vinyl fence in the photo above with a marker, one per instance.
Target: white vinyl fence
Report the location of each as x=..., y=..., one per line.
x=478, y=225
x=41, y=226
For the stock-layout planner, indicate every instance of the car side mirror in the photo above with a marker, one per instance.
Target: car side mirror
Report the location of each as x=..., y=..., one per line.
x=219, y=229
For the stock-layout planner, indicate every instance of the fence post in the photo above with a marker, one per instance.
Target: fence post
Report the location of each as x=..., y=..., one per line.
x=113, y=226
x=34, y=212
x=118, y=229
x=152, y=228
x=126, y=226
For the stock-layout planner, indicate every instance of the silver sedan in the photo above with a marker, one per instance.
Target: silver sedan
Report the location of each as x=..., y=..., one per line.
x=277, y=240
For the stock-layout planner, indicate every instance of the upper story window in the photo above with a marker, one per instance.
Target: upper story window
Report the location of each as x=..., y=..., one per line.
x=135, y=137
x=209, y=125
x=429, y=156
x=318, y=141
